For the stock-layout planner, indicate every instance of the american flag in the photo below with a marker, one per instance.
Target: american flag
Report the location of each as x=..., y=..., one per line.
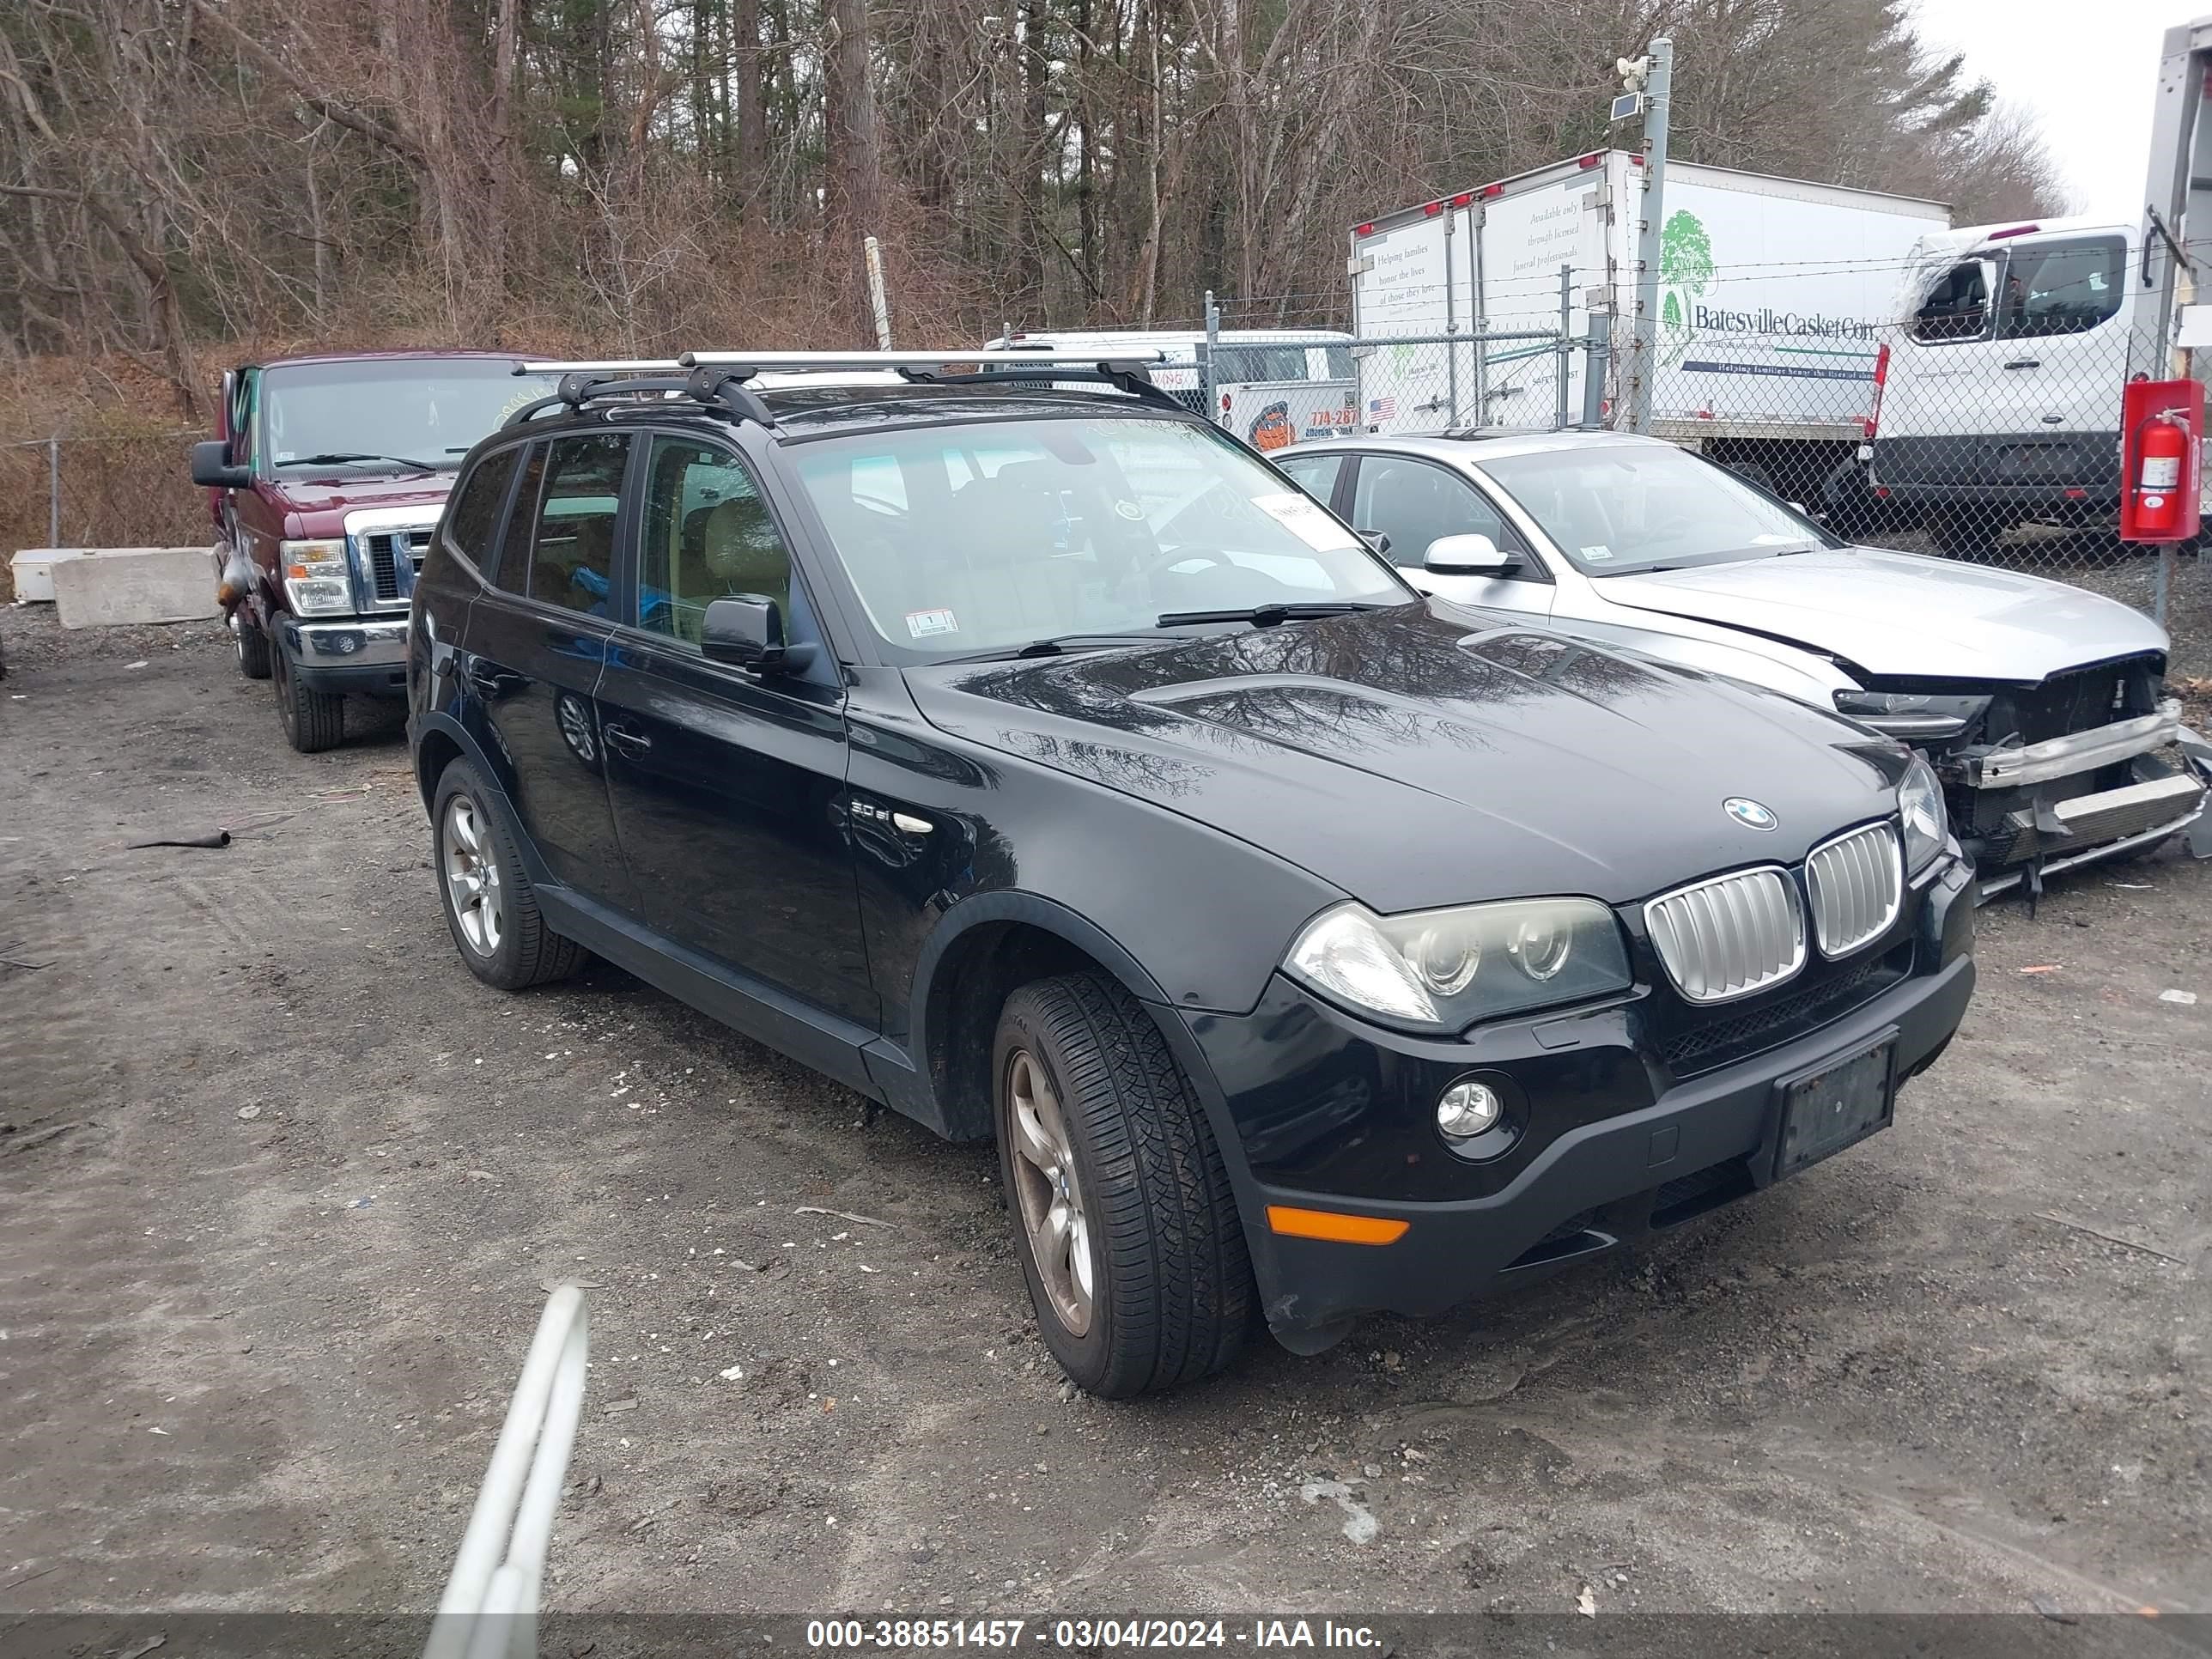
x=1382, y=408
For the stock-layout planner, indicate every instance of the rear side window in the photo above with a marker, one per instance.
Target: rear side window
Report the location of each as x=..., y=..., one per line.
x=474, y=517
x=572, y=556
x=513, y=565
x=2066, y=288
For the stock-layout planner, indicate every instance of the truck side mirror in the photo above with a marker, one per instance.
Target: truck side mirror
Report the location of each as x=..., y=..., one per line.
x=747, y=631
x=1467, y=556
x=213, y=469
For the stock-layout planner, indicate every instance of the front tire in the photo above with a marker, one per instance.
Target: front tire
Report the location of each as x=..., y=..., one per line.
x=313, y=720
x=491, y=908
x=1125, y=1224
x=252, y=646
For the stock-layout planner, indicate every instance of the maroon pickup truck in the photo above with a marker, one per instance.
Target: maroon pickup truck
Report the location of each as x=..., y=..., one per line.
x=325, y=481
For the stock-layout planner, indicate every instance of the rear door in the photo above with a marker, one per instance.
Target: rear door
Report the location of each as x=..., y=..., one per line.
x=534, y=648
x=728, y=786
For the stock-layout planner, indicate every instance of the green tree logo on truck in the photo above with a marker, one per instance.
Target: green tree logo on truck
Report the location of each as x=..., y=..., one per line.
x=1686, y=266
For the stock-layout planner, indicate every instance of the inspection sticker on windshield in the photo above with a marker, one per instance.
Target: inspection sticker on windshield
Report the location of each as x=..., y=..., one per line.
x=923, y=624
x=1303, y=519
x=1597, y=555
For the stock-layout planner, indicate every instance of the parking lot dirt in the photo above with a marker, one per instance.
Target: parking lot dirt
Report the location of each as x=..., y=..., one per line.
x=283, y=1189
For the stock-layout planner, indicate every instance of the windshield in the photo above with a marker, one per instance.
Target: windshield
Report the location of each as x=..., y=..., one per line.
x=974, y=537
x=387, y=414
x=1615, y=510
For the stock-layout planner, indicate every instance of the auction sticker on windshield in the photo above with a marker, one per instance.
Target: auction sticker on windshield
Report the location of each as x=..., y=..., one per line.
x=1303, y=519
x=923, y=624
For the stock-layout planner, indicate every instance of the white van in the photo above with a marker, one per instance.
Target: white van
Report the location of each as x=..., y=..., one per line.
x=1998, y=396
x=1273, y=387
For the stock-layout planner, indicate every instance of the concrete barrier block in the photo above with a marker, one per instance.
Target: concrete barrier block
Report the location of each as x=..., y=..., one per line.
x=106, y=586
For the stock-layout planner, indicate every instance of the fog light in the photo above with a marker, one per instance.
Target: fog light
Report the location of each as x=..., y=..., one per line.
x=1467, y=1108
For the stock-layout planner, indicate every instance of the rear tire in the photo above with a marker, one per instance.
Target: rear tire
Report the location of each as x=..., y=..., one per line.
x=313, y=720
x=1967, y=533
x=252, y=646
x=491, y=908
x=1125, y=1224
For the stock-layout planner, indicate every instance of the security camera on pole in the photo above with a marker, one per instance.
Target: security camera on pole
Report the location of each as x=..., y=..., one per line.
x=1647, y=83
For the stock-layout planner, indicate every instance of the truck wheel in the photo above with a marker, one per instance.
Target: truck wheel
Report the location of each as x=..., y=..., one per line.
x=1125, y=1224
x=491, y=906
x=252, y=646
x=314, y=720
x=1966, y=532
x=1755, y=474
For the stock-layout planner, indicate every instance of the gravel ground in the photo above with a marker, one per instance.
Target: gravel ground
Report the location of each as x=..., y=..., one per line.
x=282, y=1188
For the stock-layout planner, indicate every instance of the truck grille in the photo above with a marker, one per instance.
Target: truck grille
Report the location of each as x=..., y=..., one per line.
x=385, y=551
x=1857, y=882
x=1730, y=936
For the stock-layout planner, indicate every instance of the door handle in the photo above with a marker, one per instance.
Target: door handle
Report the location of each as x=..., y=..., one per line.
x=2025, y=362
x=492, y=682
x=623, y=741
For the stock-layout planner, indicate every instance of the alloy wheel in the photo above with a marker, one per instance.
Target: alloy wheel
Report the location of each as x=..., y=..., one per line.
x=1050, y=1196
x=464, y=854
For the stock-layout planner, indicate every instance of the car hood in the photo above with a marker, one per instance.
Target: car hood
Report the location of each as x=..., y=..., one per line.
x=338, y=495
x=1898, y=614
x=1429, y=754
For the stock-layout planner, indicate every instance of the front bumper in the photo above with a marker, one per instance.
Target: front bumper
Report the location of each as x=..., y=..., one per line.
x=1614, y=1145
x=366, y=656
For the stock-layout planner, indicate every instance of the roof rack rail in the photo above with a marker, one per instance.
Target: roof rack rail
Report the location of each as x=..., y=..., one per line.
x=764, y=362
x=718, y=378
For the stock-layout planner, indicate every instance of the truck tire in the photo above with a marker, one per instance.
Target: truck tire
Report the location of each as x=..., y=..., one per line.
x=1967, y=533
x=313, y=720
x=252, y=646
x=1125, y=1224
x=491, y=908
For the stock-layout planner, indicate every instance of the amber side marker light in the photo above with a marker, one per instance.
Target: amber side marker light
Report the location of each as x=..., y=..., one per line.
x=1337, y=1229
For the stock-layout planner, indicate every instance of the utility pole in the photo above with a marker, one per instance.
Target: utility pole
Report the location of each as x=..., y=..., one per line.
x=1652, y=80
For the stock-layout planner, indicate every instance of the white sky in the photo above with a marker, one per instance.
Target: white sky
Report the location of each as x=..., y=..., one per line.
x=2085, y=71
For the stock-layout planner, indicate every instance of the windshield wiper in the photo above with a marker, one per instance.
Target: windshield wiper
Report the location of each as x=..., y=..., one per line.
x=336, y=457
x=1271, y=616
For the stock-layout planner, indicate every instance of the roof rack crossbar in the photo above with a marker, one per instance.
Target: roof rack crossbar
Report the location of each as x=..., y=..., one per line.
x=581, y=386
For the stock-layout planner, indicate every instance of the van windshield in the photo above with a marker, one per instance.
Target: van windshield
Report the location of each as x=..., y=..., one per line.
x=971, y=538
x=1617, y=510
x=387, y=413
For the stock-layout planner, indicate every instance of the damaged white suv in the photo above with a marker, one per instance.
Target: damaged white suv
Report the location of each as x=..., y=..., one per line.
x=2042, y=705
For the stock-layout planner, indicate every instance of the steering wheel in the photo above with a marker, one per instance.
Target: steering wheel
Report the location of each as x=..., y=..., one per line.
x=1168, y=558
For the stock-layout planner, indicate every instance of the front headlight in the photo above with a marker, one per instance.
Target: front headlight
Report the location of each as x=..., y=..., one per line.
x=1910, y=715
x=1920, y=809
x=1444, y=969
x=315, y=580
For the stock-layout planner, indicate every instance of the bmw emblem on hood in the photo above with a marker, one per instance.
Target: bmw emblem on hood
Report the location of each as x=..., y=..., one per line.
x=1751, y=814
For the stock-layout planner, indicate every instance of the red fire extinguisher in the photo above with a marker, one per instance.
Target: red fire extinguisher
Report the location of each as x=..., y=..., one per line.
x=2162, y=454
x=2161, y=420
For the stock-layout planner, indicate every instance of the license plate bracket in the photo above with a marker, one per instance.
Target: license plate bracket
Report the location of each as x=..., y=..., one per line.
x=1835, y=1104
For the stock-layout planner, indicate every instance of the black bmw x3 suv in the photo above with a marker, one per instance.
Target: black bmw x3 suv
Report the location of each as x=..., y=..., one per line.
x=1031, y=756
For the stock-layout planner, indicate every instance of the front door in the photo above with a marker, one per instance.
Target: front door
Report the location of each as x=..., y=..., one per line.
x=728, y=787
x=1415, y=502
x=532, y=651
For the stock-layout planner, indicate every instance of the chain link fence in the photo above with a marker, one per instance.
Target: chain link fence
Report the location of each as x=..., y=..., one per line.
x=99, y=486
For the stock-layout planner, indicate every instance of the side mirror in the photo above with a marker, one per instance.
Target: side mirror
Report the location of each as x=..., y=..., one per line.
x=1374, y=538
x=747, y=632
x=212, y=468
x=1467, y=556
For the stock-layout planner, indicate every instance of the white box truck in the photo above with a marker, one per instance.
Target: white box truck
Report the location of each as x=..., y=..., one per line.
x=1773, y=292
